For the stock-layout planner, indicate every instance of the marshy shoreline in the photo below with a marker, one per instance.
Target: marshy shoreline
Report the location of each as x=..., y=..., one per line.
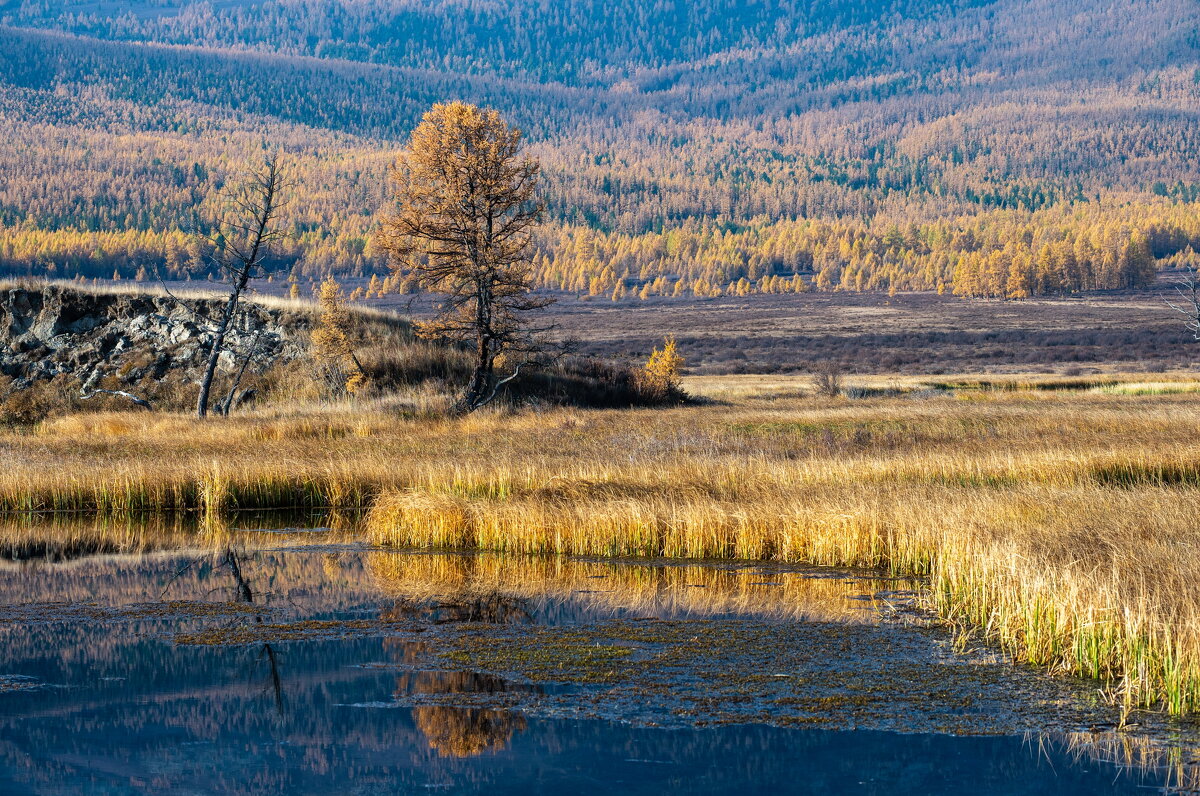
x=1051, y=520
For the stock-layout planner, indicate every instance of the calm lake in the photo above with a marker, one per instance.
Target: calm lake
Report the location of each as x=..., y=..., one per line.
x=297, y=664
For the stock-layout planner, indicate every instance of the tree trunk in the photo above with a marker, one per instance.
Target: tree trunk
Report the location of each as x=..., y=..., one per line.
x=262, y=207
x=218, y=345
x=227, y=405
x=481, y=377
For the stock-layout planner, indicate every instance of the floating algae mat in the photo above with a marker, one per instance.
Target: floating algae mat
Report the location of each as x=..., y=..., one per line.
x=300, y=664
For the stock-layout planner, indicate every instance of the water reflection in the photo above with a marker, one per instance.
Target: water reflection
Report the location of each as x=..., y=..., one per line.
x=467, y=732
x=504, y=589
x=1176, y=764
x=231, y=559
x=95, y=697
x=244, y=593
x=268, y=655
x=452, y=588
x=63, y=536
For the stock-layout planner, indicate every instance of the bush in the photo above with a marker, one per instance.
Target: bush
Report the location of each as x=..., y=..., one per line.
x=36, y=402
x=828, y=379
x=658, y=381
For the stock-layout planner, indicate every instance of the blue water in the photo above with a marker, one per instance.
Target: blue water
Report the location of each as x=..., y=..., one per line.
x=210, y=722
x=116, y=707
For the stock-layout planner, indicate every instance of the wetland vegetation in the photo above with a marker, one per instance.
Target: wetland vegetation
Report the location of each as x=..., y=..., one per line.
x=447, y=526
x=1056, y=524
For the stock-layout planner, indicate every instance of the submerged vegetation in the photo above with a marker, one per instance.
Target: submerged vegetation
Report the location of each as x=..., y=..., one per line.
x=1056, y=523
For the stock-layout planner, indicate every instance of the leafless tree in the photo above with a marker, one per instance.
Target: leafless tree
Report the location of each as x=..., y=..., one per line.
x=1187, y=300
x=828, y=379
x=242, y=239
x=235, y=395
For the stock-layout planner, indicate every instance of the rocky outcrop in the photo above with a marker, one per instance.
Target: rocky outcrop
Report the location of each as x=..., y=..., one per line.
x=52, y=330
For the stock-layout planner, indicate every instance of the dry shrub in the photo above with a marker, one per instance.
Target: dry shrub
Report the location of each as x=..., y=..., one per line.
x=40, y=400
x=828, y=379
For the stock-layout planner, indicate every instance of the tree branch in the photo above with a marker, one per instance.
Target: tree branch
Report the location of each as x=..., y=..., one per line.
x=142, y=402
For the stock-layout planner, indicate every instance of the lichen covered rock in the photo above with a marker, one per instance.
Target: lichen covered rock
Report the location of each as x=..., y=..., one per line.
x=51, y=330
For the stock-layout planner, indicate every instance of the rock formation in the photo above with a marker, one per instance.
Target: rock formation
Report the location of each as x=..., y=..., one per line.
x=51, y=330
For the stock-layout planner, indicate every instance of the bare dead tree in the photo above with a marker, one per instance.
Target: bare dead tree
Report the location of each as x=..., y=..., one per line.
x=244, y=358
x=465, y=205
x=242, y=239
x=232, y=397
x=1187, y=300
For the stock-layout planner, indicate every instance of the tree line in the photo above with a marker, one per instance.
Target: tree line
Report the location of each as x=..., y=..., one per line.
x=807, y=147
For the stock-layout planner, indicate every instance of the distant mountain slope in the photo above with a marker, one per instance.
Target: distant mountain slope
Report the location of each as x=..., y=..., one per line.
x=722, y=123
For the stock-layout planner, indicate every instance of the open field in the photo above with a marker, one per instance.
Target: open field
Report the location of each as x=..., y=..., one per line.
x=919, y=333
x=1054, y=517
x=872, y=333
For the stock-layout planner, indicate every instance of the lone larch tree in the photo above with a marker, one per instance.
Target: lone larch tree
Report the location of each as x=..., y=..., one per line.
x=330, y=343
x=465, y=205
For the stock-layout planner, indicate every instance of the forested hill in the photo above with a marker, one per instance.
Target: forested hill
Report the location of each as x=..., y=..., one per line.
x=690, y=148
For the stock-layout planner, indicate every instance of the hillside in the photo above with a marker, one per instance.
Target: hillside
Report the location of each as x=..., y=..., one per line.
x=1003, y=148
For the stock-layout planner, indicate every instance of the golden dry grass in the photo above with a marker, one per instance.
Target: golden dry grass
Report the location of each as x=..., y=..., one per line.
x=1059, y=524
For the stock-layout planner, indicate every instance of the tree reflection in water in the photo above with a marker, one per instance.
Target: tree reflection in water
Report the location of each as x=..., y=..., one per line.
x=245, y=594
x=467, y=732
x=268, y=653
x=457, y=731
x=234, y=561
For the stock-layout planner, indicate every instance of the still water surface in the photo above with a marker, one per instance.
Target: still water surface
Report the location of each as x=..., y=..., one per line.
x=335, y=669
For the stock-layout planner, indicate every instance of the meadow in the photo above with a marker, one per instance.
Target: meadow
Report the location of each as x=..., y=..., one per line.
x=1053, y=517
x=914, y=334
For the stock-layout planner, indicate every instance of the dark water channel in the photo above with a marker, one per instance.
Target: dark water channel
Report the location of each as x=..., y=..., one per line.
x=311, y=668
